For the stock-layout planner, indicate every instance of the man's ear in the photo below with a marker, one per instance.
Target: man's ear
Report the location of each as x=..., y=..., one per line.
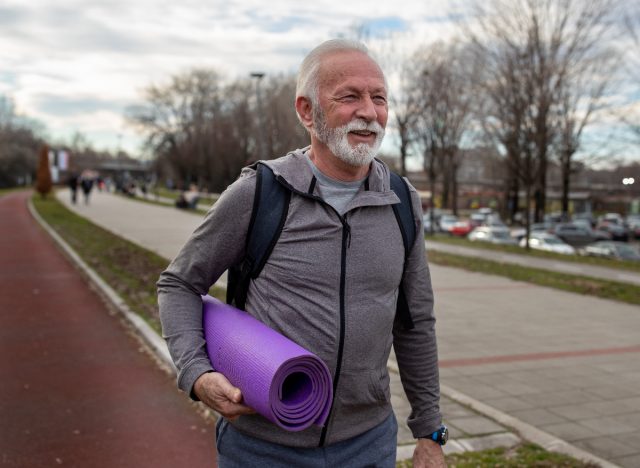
x=305, y=111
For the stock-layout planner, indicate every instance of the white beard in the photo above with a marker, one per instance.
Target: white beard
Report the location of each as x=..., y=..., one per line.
x=337, y=140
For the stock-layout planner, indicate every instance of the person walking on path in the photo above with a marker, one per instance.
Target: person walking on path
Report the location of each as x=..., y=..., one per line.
x=86, y=182
x=76, y=390
x=331, y=283
x=73, y=186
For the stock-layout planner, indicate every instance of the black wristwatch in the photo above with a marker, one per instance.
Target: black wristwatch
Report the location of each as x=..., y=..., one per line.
x=440, y=436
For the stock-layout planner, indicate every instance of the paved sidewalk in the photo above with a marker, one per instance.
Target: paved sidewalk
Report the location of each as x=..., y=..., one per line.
x=561, y=363
x=77, y=389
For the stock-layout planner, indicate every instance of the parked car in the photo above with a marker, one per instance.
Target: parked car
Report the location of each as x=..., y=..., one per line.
x=617, y=231
x=633, y=224
x=585, y=216
x=461, y=228
x=614, y=218
x=476, y=219
x=599, y=234
x=548, y=243
x=574, y=234
x=612, y=249
x=519, y=233
x=495, y=235
x=446, y=222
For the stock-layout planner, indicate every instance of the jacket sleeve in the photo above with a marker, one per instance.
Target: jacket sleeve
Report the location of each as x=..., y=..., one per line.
x=416, y=350
x=217, y=244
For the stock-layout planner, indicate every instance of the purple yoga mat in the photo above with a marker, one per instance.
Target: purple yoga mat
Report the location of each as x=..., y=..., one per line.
x=282, y=381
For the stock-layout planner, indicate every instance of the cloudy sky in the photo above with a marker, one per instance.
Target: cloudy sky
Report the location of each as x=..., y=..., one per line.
x=75, y=65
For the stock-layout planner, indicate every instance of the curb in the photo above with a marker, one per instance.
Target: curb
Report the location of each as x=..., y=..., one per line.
x=159, y=347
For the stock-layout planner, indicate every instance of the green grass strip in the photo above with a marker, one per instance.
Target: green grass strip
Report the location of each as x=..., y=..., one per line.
x=525, y=455
x=129, y=269
x=578, y=284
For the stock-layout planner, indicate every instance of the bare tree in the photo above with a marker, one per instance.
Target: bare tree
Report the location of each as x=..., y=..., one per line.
x=632, y=56
x=19, y=143
x=282, y=128
x=531, y=49
x=579, y=98
x=445, y=99
x=197, y=126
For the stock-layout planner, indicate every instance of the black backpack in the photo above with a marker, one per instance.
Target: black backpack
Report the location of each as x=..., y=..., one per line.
x=270, y=208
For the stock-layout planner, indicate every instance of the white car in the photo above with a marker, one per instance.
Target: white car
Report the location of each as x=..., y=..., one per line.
x=494, y=235
x=548, y=243
x=447, y=222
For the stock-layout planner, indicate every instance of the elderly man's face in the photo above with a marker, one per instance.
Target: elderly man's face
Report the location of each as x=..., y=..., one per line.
x=353, y=107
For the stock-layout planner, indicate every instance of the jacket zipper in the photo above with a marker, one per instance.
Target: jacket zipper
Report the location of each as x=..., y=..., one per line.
x=346, y=242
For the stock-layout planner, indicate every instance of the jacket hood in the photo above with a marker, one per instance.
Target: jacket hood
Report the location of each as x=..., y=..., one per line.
x=295, y=171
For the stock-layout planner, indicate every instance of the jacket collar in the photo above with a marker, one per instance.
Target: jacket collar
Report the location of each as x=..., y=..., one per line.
x=295, y=171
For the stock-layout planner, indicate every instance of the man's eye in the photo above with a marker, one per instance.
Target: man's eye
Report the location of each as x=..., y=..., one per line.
x=380, y=99
x=349, y=97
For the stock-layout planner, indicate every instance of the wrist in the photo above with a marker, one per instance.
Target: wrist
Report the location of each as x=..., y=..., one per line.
x=439, y=436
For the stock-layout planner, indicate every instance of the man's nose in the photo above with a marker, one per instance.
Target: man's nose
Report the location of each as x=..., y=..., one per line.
x=367, y=109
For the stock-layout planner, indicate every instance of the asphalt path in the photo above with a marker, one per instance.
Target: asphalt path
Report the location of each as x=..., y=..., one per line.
x=76, y=387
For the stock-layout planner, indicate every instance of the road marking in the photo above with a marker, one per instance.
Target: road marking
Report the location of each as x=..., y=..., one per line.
x=536, y=356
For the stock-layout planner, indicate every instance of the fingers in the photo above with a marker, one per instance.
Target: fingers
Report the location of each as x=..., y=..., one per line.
x=217, y=392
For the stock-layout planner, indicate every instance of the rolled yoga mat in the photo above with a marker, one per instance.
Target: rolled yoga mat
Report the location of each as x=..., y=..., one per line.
x=282, y=381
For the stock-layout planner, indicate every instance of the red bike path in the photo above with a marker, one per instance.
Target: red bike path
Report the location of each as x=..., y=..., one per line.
x=75, y=388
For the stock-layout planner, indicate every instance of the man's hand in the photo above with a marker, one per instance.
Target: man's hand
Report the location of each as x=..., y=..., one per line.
x=428, y=454
x=215, y=391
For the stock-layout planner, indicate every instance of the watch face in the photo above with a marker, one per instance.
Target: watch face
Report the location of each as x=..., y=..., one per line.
x=444, y=435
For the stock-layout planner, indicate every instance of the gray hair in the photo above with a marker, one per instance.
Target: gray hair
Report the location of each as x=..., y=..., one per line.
x=308, y=75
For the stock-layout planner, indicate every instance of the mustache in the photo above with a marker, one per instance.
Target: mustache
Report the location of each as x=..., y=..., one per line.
x=359, y=125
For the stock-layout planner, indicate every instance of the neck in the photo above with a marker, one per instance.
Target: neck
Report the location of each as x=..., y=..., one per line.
x=332, y=166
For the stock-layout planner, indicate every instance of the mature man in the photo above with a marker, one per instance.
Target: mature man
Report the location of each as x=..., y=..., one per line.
x=330, y=284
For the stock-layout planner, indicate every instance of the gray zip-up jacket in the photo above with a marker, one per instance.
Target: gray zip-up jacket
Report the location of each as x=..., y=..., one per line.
x=331, y=285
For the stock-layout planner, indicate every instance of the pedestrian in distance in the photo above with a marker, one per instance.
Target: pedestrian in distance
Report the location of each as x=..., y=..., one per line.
x=341, y=281
x=73, y=186
x=86, y=182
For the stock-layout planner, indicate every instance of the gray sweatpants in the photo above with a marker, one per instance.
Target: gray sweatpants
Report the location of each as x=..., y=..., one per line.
x=374, y=448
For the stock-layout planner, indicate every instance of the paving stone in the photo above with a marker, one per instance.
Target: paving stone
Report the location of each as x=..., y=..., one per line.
x=629, y=418
x=613, y=392
x=569, y=431
x=508, y=404
x=476, y=425
x=606, y=447
x=575, y=412
x=538, y=417
x=559, y=398
x=632, y=461
x=607, y=426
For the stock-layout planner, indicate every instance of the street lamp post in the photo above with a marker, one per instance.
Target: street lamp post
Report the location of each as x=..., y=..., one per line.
x=261, y=135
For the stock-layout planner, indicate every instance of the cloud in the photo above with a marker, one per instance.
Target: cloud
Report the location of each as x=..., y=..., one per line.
x=77, y=64
x=56, y=105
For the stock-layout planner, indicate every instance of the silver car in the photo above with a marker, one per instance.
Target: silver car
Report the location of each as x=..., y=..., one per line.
x=548, y=243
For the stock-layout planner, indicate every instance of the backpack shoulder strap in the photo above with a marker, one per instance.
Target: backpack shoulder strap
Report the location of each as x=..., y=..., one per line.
x=404, y=211
x=406, y=221
x=269, y=212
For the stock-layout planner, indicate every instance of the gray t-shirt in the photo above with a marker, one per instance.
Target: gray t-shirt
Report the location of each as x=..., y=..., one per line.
x=336, y=193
